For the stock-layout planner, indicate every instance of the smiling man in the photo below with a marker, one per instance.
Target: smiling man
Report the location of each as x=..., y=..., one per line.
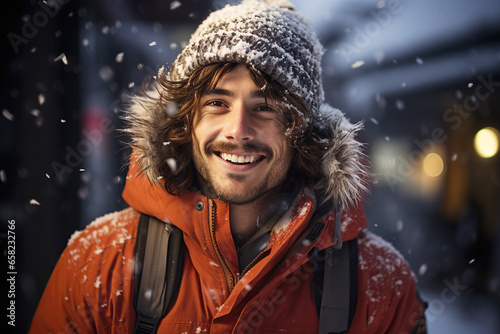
x=239, y=143
x=235, y=148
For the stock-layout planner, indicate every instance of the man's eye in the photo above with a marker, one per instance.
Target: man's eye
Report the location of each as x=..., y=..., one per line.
x=214, y=104
x=265, y=108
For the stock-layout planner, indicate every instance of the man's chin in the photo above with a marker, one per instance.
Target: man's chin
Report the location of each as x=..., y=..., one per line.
x=235, y=196
x=241, y=194
x=238, y=200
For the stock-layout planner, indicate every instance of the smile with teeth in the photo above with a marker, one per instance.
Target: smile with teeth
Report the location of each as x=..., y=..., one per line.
x=239, y=159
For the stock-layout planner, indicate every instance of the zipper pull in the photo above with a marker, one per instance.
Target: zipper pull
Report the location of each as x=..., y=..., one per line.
x=238, y=277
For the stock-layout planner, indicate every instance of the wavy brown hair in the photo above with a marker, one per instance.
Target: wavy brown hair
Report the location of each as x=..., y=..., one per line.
x=183, y=99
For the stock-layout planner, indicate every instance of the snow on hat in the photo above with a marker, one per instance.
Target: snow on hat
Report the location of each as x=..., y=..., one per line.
x=266, y=34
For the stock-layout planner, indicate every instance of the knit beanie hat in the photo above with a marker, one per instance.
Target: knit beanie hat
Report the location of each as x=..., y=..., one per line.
x=266, y=34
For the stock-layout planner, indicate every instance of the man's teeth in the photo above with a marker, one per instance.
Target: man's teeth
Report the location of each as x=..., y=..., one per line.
x=240, y=159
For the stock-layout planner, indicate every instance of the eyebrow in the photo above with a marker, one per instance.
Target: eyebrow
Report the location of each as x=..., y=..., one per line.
x=227, y=92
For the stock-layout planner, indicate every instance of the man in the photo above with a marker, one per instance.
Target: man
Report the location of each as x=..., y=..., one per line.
x=235, y=147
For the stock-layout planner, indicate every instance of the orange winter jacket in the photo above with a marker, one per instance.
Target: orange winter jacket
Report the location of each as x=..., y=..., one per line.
x=91, y=289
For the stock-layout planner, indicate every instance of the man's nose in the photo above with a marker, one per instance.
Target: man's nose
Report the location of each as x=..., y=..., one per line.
x=238, y=125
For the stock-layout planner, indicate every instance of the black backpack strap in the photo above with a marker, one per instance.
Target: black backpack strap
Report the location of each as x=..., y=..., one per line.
x=158, y=262
x=336, y=287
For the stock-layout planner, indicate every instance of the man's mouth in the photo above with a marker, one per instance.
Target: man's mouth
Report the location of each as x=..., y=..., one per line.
x=240, y=159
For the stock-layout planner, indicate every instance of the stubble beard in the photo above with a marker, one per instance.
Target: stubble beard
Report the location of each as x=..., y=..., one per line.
x=275, y=177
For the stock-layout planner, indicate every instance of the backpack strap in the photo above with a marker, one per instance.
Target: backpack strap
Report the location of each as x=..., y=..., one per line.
x=158, y=261
x=336, y=282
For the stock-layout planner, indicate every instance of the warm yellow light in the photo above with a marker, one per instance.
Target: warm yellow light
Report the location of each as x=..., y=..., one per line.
x=433, y=165
x=486, y=142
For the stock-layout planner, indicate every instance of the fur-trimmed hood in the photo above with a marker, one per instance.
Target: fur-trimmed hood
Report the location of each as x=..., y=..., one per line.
x=343, y=170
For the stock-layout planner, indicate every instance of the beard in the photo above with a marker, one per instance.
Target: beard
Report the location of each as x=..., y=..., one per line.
x=276, y=173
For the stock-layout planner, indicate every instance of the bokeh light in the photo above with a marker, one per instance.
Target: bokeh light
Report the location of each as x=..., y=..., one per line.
x=486, y=142
x=433, y=165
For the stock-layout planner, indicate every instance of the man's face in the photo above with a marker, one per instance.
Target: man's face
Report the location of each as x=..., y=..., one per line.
x=239, y=145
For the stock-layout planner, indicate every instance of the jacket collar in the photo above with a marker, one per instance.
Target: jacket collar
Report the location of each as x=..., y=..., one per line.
x=292, y=238
x=153, y=200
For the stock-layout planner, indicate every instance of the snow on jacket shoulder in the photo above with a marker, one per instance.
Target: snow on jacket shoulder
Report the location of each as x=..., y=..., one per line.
x=387, y=297
x=91, y=287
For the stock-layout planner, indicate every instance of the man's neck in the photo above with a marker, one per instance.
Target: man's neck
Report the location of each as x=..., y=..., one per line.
x=246, y=219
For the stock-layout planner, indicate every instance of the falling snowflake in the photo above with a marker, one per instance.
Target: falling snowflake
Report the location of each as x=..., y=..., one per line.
x=400, y=104
x=357, y=64
x=171, y=109
x=175, y=5
x=61, y=57
x=106, y=73
x=423, y=269
x=399, y=225
x=7, y=115
x=34, y=202
x=41, y=99
x=172, y=164
x=119, y=57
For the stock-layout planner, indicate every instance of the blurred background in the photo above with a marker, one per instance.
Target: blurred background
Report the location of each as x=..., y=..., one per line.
x=424, y=75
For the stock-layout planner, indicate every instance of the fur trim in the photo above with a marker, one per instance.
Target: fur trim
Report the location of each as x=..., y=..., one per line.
x=145, y=122
x=343, y=165
x=344, y=172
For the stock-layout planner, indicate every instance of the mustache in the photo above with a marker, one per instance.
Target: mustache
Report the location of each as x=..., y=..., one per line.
x=250, y=147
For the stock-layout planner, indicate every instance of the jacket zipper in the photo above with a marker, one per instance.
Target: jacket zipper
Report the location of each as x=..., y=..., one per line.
x=259, y=257
x=230, y=279
x=225, y=267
